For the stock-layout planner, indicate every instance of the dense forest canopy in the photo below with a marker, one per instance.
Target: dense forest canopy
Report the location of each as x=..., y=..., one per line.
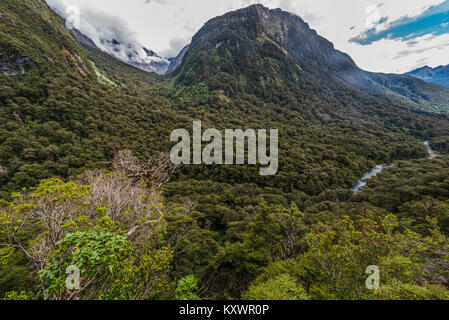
x=215, y=232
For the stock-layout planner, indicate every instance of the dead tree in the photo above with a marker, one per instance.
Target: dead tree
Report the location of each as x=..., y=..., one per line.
x=153, y=172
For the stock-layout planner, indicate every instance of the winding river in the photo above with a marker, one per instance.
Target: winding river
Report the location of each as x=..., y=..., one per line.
x=379, y=168
x=372, y=173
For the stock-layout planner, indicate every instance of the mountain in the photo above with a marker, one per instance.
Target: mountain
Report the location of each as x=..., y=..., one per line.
x=438, y=75
x=131, y=53
x=82, y=38
x=176, y=62
x=141, y=58
x=66, y=110
x=67, y=107
x=257, y=37
x=256, y=66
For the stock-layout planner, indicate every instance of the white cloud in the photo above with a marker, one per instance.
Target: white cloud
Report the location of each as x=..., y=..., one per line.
x=395, y=56
x=102, y=28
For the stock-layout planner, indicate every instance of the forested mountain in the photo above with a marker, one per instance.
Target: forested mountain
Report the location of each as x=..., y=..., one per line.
x=67, y=108
x=278, y=46
x=438, y=75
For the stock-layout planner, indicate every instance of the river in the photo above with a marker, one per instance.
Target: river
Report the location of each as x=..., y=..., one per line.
x=432, y=153
x=372, y=173
x=379, y=168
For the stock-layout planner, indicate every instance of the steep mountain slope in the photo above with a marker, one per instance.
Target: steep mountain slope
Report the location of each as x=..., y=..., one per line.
x=238, y=72
x=257, y=67
x=281, y=47
x=144, y=59
x=401, y=88
x=176, y=62
x=141, y=58
x=56, y=116
x=438, y=75
x=128, y=52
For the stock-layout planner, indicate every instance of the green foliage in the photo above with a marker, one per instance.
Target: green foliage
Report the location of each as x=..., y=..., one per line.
x=413, y=190
x=186, y=289
x=94, y=253
x=111, y=267
x=101, y=77
x=284, y=287
x=111, y=229
x=66, y=108
x=340, y=255
x=407, y=291
x=441, y=144
x=16, y=296
x=334, y=265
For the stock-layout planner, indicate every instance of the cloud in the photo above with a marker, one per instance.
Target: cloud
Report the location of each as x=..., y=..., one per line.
x=425, y=45
x=59, y=6
x=397, y=56
x=110, y=33
x=421, y=63
x=156, y=1
x=433, y=20
x=175, y=46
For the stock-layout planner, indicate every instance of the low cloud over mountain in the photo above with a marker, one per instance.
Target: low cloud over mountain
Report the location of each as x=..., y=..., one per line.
x=113, y=36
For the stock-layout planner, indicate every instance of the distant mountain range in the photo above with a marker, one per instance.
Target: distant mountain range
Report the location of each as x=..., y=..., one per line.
x=149, y=61
x=143, y=58
x=438, y=75
x=130, y=53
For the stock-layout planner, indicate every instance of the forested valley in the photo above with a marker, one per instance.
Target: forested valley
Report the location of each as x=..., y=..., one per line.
x=85, y=177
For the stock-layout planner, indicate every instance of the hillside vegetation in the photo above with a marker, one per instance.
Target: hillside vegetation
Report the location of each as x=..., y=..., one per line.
x=214, y=232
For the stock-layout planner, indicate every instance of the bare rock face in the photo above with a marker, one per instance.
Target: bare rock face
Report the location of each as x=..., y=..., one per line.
x=15, y=64
x=175, y=63
x=261, y=44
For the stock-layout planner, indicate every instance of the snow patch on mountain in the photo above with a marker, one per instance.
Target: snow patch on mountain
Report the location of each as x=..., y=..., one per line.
x=111, y=35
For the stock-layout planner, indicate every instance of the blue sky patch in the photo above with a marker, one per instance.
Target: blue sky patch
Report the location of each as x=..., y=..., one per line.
x=433, y=21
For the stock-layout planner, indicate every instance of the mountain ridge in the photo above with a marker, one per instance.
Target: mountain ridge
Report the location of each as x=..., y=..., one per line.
x=403, y=89
x=142, y=58
x=438, y=75
x=304, y=48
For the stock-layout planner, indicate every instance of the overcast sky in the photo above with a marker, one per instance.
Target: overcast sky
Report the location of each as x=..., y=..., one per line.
x=380, y=35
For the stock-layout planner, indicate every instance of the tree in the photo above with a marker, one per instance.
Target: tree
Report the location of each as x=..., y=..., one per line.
x=283, y=287
x=186, y=288
x=105, y=222
x=111, y=267
x=154, y=172
x=338, y=255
